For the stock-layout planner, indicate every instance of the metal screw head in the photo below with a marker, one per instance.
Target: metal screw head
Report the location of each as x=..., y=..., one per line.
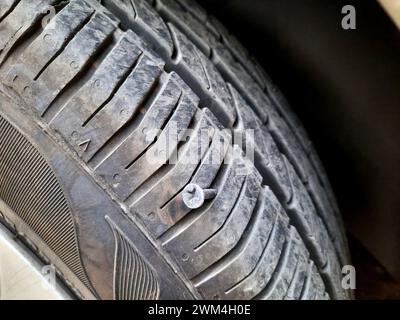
x=194, y=196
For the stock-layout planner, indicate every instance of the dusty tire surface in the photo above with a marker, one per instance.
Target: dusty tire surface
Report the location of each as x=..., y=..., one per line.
x=85, y=85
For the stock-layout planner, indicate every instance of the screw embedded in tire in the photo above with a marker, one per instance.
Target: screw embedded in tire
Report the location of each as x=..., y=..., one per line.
x=194, y=195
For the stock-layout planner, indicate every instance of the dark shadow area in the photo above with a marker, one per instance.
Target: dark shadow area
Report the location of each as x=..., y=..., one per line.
x=345, y=87
x=372, y=279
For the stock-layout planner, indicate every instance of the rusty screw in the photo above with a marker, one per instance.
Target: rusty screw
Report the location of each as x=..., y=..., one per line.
x=194, y=195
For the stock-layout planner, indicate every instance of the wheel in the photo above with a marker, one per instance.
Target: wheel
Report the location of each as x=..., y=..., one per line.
x=146, y=155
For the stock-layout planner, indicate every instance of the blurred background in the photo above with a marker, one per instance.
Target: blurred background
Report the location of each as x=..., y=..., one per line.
x=345, y=87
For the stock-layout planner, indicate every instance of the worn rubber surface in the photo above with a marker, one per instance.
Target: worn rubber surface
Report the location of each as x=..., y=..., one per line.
x=82, y=93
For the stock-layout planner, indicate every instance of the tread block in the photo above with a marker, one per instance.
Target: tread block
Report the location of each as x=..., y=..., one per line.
x=237, y=50
x=211, y=165
x=276, y=168
x=259, y=74
x=288, y=143
x=226, y=223
x=41, y=92
x=261, y=275
x=323, y=206
x=332, y=271
x=185, y=88
x=313, y=284
x=237, y=75
x=194, y=8
x=229, y=233
x=204, y=175
x=188, y=23
x=284, y=272
x=245, y=264
x=97, y=90
x=197, y=67
x=270, y=157
x=296, y=155
x=144, y=134
x=290, y=275
x=125, y=104
x=302, y=211
x=206, y=33
x=207, y=213
x=19, y=21
x=316, y=162
x=6, y=6
x=141, y=14
x=314, y=232
x=299, y=276
x=290, y=117
x=266, y=81
x=187, y=161
x=55, y=35
x=74, y=57
x=130, y=178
